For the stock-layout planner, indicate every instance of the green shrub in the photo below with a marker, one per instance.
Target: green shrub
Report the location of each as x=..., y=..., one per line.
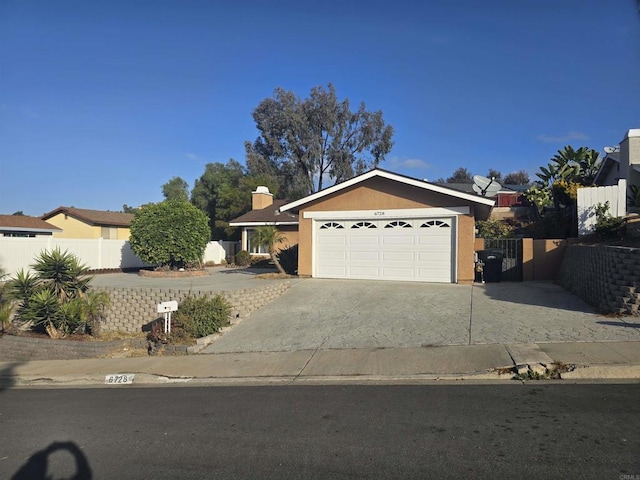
x=493, y=229
x=288, y=258
x=202, y=316
x=170, y=233
x=243, y=258
x=607, y=226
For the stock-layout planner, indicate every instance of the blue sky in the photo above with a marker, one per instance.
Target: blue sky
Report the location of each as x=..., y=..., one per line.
x=101, y=102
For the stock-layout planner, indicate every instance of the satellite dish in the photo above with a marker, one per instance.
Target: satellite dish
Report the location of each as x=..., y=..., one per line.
x=611, y=149
x=485, y=187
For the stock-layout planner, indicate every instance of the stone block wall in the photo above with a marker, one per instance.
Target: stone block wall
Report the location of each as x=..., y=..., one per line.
x=606, y=277
x=133, y=308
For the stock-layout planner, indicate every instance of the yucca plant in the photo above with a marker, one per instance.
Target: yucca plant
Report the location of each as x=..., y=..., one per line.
x=93, y=306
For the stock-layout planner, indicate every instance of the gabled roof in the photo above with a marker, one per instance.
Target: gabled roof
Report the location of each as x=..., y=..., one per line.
x=609, y=161
x=378, y=172
x=24, y=223
x=266, y=216
x=468, y=187
x=94, y=217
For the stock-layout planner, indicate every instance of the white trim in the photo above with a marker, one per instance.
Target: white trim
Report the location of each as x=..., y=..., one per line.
x=634, y=132
x=259, y=224
x=389, y=213
x=391, y=176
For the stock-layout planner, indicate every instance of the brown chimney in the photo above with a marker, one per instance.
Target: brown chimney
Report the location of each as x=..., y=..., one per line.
x=261, y=198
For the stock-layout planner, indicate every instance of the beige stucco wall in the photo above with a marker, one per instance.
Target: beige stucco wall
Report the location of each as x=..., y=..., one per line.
x=384, y=194
x=74, y=228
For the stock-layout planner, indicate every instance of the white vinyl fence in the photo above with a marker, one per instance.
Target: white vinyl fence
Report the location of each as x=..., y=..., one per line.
x=20, y=253
x=590, y=197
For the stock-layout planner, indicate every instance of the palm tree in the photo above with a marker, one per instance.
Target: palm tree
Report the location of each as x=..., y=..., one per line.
x=269, y=236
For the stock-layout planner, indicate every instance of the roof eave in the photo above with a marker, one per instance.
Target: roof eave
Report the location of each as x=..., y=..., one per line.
x=391, y=176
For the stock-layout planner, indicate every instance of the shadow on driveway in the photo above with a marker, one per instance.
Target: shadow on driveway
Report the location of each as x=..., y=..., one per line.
x=540, y=294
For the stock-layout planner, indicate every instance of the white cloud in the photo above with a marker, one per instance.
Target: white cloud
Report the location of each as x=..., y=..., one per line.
x=412, y=163
x=569, y=137
x=191, y=156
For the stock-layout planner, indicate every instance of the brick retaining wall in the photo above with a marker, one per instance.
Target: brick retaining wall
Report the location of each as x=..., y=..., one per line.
x=132, y=308
x=604, y=276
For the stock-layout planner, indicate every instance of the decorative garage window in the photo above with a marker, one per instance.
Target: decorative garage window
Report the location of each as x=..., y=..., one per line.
x=364, y=225
x=398, y=224
x=435, y=223
x=331, y=226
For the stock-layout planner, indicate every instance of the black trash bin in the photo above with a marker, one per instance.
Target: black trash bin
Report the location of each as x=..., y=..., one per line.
x=492, y=260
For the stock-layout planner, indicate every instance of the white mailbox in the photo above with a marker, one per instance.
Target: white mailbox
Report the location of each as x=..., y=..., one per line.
x=170, y=306
x=166, y=308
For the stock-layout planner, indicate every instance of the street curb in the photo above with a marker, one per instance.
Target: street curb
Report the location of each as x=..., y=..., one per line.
x=603, y=372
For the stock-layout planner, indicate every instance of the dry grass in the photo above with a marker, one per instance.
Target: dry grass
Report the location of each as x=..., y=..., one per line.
x=274, y=276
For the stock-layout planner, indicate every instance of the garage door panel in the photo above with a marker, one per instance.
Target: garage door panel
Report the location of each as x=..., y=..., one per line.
x=398, y=256
x=397, y=240
x=372, y=256
x=364, y=240
x=363, y=271
x=332, y=271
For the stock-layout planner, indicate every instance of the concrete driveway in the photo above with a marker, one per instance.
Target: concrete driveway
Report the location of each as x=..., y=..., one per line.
x=335, y=314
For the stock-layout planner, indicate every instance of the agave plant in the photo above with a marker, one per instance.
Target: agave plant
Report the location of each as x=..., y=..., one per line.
x=62, y=273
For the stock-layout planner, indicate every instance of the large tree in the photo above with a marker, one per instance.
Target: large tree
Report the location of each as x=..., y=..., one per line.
x=176, y=189
x=461, y=175
x=306, y=143
x=520, y=177
x=223, y=192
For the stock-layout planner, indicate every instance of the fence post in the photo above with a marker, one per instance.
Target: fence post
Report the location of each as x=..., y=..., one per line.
x=622, y=197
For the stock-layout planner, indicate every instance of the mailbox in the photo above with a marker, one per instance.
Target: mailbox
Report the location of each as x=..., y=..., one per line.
x=170, y=306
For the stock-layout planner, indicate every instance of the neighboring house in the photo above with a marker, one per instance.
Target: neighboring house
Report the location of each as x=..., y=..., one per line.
x=509, y=201
x=83, y=223
x=265, y=211
x=24, y=226
x=624, y=163
x=384, y=226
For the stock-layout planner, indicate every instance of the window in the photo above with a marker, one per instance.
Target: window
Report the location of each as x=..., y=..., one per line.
x=435, y=223
x=255, y=249
x=20, y=234
x=363, y=225
x=331, y=226
x=398, y=224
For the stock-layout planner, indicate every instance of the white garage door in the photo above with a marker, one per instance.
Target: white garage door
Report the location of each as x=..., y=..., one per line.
x=419, y=250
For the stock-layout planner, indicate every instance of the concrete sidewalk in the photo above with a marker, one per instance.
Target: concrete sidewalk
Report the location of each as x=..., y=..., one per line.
x=593, y=361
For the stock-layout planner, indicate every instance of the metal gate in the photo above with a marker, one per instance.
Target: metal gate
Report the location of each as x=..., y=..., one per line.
x=512, y=263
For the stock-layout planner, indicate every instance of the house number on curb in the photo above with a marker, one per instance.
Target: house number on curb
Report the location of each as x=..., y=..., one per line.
x=119, y=379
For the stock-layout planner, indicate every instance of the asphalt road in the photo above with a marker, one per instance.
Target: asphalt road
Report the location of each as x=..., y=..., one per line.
x=428, y=431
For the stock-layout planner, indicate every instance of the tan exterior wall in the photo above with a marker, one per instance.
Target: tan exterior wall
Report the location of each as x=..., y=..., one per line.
x=74, y=228
x=383, y=194
x=528, y=256
x=547, y=258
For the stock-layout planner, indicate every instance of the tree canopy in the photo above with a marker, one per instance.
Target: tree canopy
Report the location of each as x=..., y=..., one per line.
x=176, y=189
x=516, y=178
x=223, y=192
x=305, y=143
x=170, y=233
x=461, y=175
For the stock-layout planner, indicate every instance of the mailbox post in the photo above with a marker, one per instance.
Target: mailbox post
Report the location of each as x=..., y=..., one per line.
x=166, y=308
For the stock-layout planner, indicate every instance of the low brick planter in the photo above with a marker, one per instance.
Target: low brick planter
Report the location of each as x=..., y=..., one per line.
x=172, y=274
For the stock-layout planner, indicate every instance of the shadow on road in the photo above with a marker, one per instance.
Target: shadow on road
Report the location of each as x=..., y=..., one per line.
x=41, y=465
x=247, y=271
x=7, y=379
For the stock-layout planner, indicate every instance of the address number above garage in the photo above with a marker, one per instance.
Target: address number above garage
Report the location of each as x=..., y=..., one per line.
x=389, y=214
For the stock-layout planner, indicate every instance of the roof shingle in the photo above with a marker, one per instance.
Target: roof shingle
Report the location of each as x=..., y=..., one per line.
x=94, y=217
